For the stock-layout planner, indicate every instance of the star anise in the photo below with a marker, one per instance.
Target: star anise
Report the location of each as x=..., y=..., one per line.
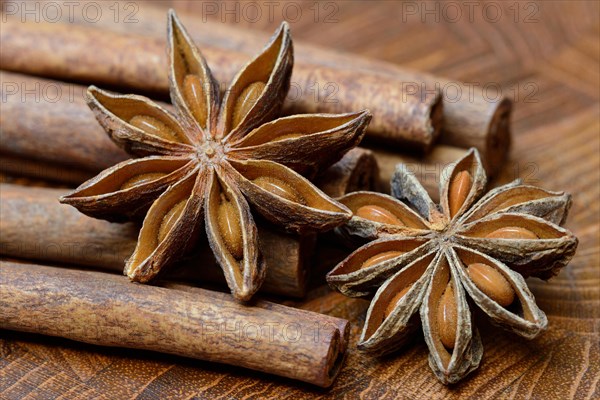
x=439, y=260
x=216, y=161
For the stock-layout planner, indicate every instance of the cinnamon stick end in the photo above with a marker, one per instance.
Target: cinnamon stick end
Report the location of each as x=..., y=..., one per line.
x=498, y=140
x=436, y=116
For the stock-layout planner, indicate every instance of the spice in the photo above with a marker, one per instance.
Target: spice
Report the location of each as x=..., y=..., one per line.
x=105, y=309
x=216, y=167
x=470, y=246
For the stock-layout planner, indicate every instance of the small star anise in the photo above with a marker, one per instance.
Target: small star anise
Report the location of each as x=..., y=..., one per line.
x=432, y=259
x=212, y=160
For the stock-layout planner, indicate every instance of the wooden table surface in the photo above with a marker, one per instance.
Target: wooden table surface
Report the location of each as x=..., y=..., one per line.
x=546, y=55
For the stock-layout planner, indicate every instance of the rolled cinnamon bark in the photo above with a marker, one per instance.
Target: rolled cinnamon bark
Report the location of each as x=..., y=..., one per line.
x=471, y=120
x=409, y=117
x=108, y=310
x=61, y=234
x=42, y=170
x=49, y=122
x=357, y=170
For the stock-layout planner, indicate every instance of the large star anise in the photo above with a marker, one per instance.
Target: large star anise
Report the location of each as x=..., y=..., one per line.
x=430, y=260
x=212, y=160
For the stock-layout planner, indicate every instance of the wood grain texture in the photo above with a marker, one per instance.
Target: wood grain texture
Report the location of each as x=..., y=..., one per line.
x=556, y=145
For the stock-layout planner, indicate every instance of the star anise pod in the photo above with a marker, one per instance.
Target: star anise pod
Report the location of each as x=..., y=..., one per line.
x=437, y=261
x=216, y=161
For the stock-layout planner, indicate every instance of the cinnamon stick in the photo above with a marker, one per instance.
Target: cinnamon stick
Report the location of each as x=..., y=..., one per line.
x=42, y=170
x=472, y=120
x=357, y=170
x=408, y=117
x=108, y=310
x=49, y=121
x=61, y=234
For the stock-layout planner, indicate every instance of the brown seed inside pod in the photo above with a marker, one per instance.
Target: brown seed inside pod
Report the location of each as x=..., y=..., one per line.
x=193, y=92
x=512, y=232
x=230, y=228
x=246, y=101
x=154, y=127
x=447, y=314
x=141, y=179
x=492, y=283
x=169, y=220
x=279, y=188
x=378, y=214
x=381, y=257
x=459, y=190
x=397, y=297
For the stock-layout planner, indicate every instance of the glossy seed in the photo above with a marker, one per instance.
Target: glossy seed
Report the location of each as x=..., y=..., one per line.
x=447, y=318
x=279, y=188
x=397, y=297
x=246, y=101
x=141, y=179
x=378, y=214
x=193, y=92
x=492, y=283
x=459, y=190
x=154, y=127
x=512, y=232
x=381, y=257
x=230, y=228
x=169, y=220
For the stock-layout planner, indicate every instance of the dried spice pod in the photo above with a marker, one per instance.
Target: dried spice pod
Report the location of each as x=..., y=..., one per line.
x=220, y=159
x=519, y=314
x=361, y=273
x=467, y=249
x=376, y=214
x=392, y=319
x=523, y=199
x=530, y=245
x=118, y=193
